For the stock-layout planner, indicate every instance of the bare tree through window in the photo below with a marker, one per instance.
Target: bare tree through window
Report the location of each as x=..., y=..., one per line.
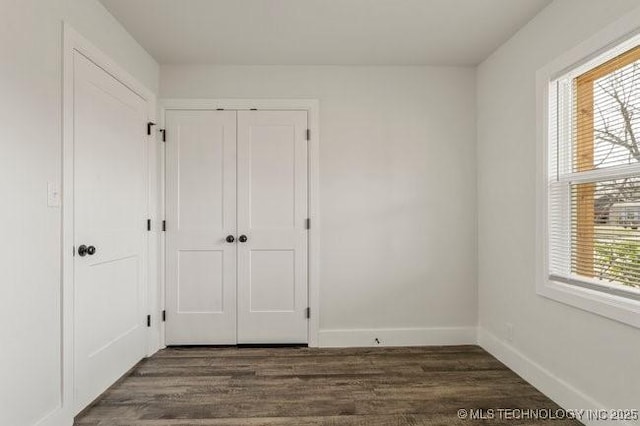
x=607, y=212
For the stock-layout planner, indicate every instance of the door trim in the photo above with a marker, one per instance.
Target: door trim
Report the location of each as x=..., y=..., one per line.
x=312, y=107
x=75, y=42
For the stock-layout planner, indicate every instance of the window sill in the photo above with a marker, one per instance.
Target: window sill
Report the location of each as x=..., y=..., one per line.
x=618, y=308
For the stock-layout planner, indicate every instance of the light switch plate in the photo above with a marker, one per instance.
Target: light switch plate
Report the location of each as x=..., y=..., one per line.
x=53, y=195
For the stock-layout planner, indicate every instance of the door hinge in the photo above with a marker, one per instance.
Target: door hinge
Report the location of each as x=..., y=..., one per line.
x=307, y=313
x=148, y=320
x=308, y=134
x=307, y=223
x=164, y=316
x=149, y=125
x=164, y=134
x=148, y=224
x=164, y=225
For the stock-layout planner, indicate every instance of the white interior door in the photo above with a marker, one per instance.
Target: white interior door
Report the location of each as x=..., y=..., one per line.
x=272, y=212
x=201, y=214
x=110, y=205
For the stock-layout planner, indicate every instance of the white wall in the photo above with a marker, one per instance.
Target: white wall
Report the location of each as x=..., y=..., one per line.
x=397, y=191
x=30, y=146
x=580, y=359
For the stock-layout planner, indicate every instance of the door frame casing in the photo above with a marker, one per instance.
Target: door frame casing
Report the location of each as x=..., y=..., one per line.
x=311, y=106
x=74, y=42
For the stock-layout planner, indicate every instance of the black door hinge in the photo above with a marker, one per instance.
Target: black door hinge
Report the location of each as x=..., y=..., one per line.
x=164, y=225
x=164, y=134
x=148, y=320
x=164, y=316
x=307, y=223
x=308, y=134
x=149, y=125
x=307, y=313
x=148, y=224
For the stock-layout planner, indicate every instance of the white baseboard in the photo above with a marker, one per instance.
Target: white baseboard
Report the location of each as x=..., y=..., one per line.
x=398, y=337
x=561, y=392
x=57, y=417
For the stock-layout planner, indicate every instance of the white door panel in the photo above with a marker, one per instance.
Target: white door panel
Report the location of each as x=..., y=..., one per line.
x=272, y=212
x=201, y=213
x=110, y=204
x=272, y=280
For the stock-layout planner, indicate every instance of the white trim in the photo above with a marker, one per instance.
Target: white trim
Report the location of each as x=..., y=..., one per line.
x=610, y=306
x=435, y=336
x=56, y=417
x=155, y=240
x=241, y=104
x=561, y=392
x=607, y=173
x=627, y=40
x=312, y=107
x=622, y=309
x=75, y=42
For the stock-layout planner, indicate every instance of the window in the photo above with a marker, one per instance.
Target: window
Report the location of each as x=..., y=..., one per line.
x=592, y=176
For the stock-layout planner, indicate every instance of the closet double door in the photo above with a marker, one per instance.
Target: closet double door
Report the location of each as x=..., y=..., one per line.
x=236, y=234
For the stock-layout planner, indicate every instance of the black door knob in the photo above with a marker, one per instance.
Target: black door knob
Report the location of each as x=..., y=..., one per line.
x=91, y=250
x=82, y=250
x=230, y=238
x=242, y=238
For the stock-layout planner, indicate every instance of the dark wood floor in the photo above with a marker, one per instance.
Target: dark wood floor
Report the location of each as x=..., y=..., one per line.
x=301, y=386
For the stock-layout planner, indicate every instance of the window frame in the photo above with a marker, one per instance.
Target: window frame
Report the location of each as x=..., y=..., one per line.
x=606, y=300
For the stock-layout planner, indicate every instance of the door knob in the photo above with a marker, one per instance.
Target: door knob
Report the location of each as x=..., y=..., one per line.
x=83, y=250
x=230, y=238
x=243, y=238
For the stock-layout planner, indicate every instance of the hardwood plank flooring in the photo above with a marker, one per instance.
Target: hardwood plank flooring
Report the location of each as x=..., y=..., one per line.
x=304, y=386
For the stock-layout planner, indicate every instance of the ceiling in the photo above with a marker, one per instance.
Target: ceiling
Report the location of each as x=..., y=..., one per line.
x=322, y=32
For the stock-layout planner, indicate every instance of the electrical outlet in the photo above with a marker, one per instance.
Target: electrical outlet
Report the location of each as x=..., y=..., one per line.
x=509, y=332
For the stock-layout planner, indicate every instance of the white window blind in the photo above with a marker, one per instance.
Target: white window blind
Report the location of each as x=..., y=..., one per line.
x=593, y=189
